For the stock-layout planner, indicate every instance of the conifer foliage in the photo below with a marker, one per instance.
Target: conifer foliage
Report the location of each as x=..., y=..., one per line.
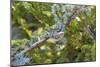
x=46, y=33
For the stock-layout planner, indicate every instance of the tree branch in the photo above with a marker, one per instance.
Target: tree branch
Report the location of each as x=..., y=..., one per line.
x=38, y=43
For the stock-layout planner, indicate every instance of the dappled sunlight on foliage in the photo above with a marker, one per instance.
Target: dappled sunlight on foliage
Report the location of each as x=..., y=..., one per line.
x=29, y=20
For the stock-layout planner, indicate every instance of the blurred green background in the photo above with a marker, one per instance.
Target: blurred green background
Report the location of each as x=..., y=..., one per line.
x=28, y=17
